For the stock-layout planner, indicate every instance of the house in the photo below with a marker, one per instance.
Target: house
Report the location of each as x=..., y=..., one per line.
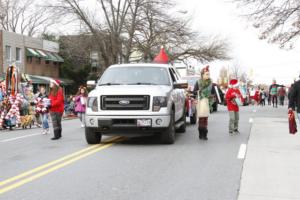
x=33, y=56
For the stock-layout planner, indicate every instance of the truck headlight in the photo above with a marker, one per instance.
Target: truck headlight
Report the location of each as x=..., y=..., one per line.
x=92, y=103
x=159, y=102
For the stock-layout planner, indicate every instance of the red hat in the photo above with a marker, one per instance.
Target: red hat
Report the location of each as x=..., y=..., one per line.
x=205, y=69
x=162, y=57
x=233, y=82
x=56, y=82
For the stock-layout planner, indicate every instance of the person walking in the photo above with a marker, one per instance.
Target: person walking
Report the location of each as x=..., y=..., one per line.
x=273, y=90
x=56, y=97
x=281, y=94
x=80, y=104
x=294, y=98
x=42, y=108
x=203, y=90
x=262, y=97
x=234, y=99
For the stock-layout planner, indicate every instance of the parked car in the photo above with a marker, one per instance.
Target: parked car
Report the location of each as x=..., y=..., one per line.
x=136, y=100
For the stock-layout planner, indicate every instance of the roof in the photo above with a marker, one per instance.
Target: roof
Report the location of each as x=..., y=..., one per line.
x=141, y=65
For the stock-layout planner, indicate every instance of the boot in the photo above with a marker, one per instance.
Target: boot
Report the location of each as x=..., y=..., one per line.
x=205, y=131
x=59, y=132
x=56, y=135
x=201, y=130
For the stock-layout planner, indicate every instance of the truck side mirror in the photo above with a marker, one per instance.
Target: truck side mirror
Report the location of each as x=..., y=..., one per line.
x=91, y=84
x=182, y=84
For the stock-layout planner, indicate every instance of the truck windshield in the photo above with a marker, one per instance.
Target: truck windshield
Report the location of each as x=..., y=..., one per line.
x=135, y=76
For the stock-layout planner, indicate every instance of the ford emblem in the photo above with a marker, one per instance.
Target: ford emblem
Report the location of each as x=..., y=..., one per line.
x=124, y=102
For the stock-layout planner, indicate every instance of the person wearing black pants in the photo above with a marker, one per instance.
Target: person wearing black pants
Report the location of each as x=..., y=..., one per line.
x=273, y=91
x=56, y=107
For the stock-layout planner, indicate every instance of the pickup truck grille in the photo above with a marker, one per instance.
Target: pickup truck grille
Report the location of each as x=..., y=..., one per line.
x=125, y=102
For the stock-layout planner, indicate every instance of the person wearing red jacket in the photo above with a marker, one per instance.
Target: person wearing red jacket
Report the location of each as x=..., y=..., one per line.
x=234, y=99
x=56, y=97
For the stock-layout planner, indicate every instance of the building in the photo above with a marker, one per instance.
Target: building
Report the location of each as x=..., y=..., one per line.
x=36, y=57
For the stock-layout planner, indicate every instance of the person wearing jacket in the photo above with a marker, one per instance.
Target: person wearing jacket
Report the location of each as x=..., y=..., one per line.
x=80, y=104
x=42, y=107
x=203, y=90
x=273, y=90
x=294, y=98
x=233, y=99
x=56, y=97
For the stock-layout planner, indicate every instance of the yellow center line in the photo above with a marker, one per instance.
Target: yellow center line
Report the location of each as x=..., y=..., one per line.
x=55, y=162
x=56, y=167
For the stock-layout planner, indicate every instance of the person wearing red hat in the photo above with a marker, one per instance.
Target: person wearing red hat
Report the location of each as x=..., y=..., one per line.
x=203, y=90
x=56, y=97
x=233, y=99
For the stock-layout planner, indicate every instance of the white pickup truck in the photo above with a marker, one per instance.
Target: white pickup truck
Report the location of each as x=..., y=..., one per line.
x=136, y=100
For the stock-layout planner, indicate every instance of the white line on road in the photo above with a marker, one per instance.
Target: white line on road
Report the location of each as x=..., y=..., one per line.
x=250, y=120
x=17, y=138
x=242, y=151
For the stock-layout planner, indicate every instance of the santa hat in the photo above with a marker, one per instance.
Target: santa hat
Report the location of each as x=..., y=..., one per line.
x=234, y=83
x=56, y=82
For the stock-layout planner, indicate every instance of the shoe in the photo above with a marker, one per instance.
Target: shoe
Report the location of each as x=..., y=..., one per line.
x=55, y=138
x=230, y=133
x=44, y=132
x=236, y=132
x=82, y=125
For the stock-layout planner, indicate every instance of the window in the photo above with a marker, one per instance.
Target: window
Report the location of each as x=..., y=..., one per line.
x=8, y=53
x=18, y=54
x=29, y=59
x=47, y=62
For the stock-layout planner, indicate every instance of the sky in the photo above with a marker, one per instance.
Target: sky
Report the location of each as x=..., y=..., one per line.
x=266, y=61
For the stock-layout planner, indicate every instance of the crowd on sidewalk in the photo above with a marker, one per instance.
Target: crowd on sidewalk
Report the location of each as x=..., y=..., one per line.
x=21, y=108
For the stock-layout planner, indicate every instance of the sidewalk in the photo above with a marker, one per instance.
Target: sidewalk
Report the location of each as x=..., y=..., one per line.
x=271, y=170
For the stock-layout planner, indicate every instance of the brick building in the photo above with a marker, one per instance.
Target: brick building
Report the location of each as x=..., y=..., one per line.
x=35, y=57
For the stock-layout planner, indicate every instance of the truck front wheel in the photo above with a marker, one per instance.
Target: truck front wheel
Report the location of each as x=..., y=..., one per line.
x=92, y=137
x=168, y=136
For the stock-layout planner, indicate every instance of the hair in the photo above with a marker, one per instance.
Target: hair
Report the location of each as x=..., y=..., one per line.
x=85, y=91
x=53, y=91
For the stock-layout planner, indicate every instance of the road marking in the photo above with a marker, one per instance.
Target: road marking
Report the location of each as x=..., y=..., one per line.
x=63, y=159
x=56, y=167
x=21, y=137
x=242, y=151
x=251, y=120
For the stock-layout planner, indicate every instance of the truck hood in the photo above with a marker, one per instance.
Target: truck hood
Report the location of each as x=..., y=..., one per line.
x=153, y=90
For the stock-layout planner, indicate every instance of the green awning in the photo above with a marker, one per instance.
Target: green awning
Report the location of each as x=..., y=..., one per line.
x=32, y=53
x=51, y=57
x=42, y=53
x=58, y=57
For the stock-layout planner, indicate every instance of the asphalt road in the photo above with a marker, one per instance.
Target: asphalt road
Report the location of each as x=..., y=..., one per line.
x=33, y=167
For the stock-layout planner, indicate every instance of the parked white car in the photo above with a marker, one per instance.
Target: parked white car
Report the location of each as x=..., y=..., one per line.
x=136, y=100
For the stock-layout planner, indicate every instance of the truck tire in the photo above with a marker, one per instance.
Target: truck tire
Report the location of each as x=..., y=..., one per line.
x=92, y=137
x=168, y=136
x=193, y=119
x=182, y=128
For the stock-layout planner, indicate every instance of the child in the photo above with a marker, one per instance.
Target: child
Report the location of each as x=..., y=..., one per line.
x=234, y=100
x=80, y=104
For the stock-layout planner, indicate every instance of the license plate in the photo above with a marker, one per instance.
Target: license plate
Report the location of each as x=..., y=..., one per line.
x=143, y=122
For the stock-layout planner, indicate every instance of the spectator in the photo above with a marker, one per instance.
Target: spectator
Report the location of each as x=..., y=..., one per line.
x=80, y=104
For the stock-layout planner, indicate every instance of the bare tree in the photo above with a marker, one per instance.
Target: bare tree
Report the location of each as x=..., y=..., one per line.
x=24, y=16
x=122, y=28
x=277, y=20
